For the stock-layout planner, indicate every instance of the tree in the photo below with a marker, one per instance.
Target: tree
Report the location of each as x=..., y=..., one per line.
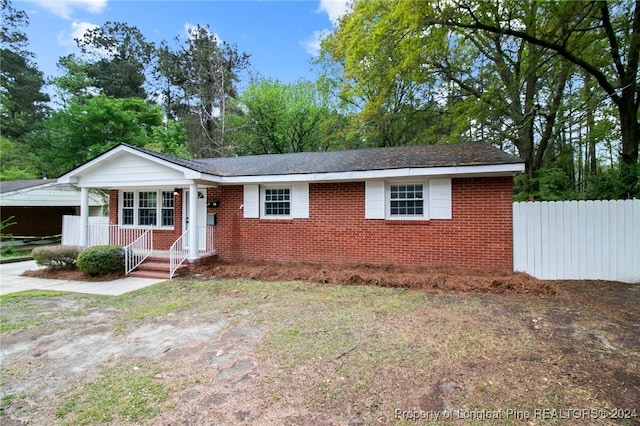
x=88, y=127
x=279, y=118
x=477, y=85
x=170, y=139
x=206, y=70
x=16, y=163
x=113, y=62
x=22, y=102
x=602, y=38
x=498, y=70
x=390, y=100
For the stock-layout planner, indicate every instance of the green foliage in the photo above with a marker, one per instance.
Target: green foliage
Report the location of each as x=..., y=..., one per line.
x=17, y=161
x=88, y=127
x=281, y=118
x=617, y=182
x=171, y=140
x=56, y=257
x=22, y=102
x=201, y=80
x=8, y=250
x=120, y=75
x=100, y=260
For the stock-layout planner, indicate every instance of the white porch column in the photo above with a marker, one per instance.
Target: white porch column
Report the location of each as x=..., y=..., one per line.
x=84, y=217
x=193, y=222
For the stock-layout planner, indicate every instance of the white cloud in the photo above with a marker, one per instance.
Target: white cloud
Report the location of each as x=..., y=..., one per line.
x=78, y=29
x=335, y=9
x=312, y=45
x=67, y=38
x=65, y=8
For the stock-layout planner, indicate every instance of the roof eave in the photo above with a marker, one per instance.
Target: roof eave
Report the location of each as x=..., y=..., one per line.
x=451, y=171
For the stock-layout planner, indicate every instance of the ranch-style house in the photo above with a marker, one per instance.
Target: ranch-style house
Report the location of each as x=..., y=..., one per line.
x=426, y=205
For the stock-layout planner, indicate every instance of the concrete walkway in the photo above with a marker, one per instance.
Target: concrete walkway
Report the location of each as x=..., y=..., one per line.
x=12, y=282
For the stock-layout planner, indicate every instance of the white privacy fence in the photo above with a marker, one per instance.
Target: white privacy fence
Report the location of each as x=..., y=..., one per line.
x=578, y=239
x=98, y=230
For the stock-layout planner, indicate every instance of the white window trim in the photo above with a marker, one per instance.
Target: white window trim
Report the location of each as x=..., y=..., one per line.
x=425, y=200
x=263, y=192
x=136, y=208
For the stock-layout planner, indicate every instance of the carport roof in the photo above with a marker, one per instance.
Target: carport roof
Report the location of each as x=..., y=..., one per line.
x=17, y=185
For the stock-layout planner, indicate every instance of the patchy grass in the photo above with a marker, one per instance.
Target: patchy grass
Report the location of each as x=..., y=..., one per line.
x=330, y=354
x=17, y=312
x=121, y=393
x=31, y=294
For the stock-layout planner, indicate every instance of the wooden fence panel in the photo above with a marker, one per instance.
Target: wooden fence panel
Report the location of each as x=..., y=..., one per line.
x=578, y=239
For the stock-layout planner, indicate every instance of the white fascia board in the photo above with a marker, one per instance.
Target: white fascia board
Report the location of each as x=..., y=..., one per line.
x=456, y=171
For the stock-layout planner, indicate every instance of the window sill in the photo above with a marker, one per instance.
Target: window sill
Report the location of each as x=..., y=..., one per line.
x=422, y=221
x=276, y=219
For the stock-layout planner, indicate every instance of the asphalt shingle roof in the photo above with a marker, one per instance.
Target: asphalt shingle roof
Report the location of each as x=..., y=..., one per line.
x=16, y=185
x=415, y=156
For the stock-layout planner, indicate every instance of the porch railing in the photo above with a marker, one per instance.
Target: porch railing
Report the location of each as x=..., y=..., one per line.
x=136, y=252
x=177, y=254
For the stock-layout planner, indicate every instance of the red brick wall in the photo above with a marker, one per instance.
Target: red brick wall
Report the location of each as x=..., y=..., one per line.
x=478, y=236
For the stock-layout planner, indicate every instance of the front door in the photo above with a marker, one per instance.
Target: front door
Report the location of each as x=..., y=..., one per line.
x=202, y=219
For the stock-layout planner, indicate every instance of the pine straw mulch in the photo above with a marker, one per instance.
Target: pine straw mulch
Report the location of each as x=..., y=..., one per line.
x=439, y=278
x=419, y=278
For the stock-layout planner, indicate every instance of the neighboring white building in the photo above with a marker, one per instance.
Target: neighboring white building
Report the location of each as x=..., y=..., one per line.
x=38, y=205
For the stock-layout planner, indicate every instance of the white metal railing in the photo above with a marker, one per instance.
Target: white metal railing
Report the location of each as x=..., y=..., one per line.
x=137, y=251
x=177, y=254
x=207, y=233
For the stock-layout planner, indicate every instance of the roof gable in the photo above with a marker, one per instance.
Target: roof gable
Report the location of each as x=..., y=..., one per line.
x=125, y=165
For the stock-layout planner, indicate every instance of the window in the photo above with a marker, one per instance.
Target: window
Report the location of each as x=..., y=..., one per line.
x=147, y=208
x=277, y=202
x=406, y=200
x=127, y=208
x=167, y=208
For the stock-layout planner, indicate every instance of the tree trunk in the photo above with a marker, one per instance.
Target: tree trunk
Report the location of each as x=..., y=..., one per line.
x=629, y=130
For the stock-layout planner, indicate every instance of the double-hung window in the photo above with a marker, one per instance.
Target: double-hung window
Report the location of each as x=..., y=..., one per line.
x=147, y=208
x=406, y=200
x=277, y=202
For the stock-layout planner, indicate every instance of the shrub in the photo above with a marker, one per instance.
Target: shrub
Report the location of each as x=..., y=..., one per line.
x=100, y=260
x=56, y=257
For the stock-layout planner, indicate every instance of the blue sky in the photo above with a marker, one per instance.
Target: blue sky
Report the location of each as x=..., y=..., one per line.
x=281, y=36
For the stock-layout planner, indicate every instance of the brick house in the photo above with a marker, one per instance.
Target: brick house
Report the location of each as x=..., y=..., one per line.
x=411, y=205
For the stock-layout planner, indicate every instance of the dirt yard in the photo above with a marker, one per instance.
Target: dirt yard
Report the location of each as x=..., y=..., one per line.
x=260, y=343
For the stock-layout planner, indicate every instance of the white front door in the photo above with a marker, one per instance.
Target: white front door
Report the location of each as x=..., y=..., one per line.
x=202, y=218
